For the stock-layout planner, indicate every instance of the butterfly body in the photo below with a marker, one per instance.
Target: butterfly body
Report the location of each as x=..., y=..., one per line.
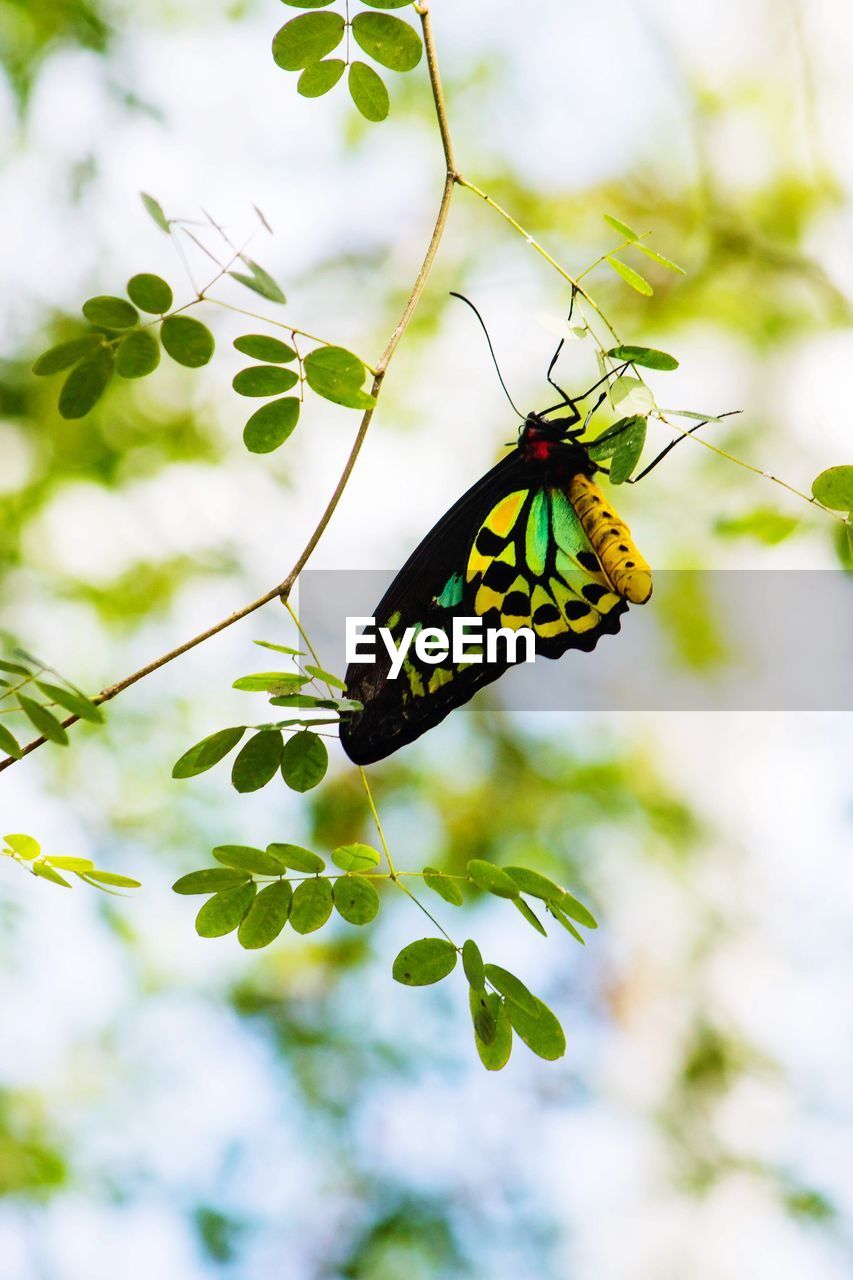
x=533, y=544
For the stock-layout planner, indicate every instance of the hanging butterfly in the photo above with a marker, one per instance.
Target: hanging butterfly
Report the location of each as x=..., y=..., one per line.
x=534, y=543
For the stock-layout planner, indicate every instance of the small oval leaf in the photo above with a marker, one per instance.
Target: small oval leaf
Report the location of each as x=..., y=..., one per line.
x=246, y=858
x=43, y=720
x=312, y=905
x=307, y=39
x=541, y=1032
x=356, y=899
x=368, y=92
x=494, y=1055
x=296, y=858
x=266, y=917
x=269, y=426
x=138, y=354
x=388, y=40
x=205, y=754
x=320, y=77
x=257, y=761
x=512, y=988
x=833, y=488
x=63, y=356
x=259, y=347
x=304, y=761
x=223, y=912
x=150, y=293
x=492, y=878
x=442, y=885
x=110, y=313
x=210, y=880
x=423, y=962
x=263, y=380
x=472, y=963
x=355, y=857
x=648, y=357
x=189, y=342
x=86, y=383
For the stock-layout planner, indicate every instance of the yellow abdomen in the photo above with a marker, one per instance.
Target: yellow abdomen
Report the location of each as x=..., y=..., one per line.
x=626, y=570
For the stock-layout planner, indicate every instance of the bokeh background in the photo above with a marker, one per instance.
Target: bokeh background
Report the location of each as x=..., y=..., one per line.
x=177, y=1107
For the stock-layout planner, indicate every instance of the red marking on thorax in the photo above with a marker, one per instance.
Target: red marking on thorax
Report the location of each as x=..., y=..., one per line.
x=538, y=450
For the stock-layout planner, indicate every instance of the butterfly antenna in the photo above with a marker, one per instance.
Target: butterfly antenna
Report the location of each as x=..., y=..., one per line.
x=462, y=298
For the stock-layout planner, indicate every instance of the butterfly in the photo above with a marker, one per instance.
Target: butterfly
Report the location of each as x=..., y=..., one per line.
x=535, y=543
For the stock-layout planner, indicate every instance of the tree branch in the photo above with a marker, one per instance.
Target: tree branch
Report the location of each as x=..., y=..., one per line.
x=284, y=588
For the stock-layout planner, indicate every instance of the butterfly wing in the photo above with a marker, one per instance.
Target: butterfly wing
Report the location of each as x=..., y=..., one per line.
x=514, y=552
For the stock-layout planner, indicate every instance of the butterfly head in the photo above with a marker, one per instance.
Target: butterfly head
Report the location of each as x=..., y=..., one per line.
x=541, y=439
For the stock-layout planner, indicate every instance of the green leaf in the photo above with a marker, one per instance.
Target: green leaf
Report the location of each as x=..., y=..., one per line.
x=86, y=383
x=210, y=880
x=632, y=389
x=258, y=761
x=150, y=293
x=312, y=905
x=15, y=668
x=624, y=230
x=648, y=357
x=541, y=1032
x=833, y=488
x=263, y=380
x=388, y=40
x=266, y=917
x=494, y=1055
x=764, y=524
x=260, y=347
x=337, y=375
x=606, y=444
x=368, y=92
x=356, y=899
x=304, y=761
x=187, y=341
x=631, y=277
x=72, y=701
x=387, y=4
x=269, y=682
x=70, y=864
x=138, y=354
x=63, y=356
x=482, y=1015
x=307, y=39
x=627, y=454
x=530, y=916
x=538, y=886
x=259, y=280
x=223, y=912
x=512, y=988
x=492, y=878
x=269, y=426
x=296, y=858
x=111, y=877
x=43, y=720
x=26, y=847
x=564, y=920
x=47, y=872
x=309, y=700
x=308, y=4
x=445, y=888
x=577, y=911
x=320, y=77
x=326, y=676
x=110, y=313
x=280, y=648
x=9, y=743
x=660, y=259
x=205, y=754
x=472, y=963
x=246, y=858
x=355, y=857
x=155, y=211
x=423, y=962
